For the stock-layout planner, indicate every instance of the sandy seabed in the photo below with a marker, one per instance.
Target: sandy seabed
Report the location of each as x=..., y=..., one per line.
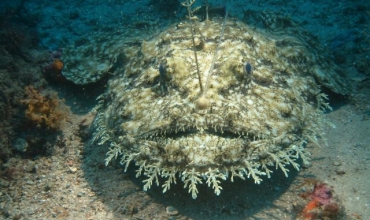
x=70, y=181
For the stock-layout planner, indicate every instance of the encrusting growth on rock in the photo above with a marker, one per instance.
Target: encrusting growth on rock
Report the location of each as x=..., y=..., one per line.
x=43, y=111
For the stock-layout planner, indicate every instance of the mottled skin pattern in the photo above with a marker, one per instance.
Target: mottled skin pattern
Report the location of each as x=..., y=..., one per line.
x=262, y=106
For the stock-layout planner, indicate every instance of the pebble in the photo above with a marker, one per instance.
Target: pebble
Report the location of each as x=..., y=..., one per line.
x=48, y=186
x=73, y=169
x=21, y=145
x=29, y=182
x=35, y=168
x=340, y=171
x=172, y=211
x=337, y=163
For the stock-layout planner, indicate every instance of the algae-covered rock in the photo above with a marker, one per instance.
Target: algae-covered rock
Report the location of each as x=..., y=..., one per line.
x=91, y=58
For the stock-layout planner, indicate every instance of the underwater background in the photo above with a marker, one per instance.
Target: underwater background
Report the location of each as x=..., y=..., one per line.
x=50, y=170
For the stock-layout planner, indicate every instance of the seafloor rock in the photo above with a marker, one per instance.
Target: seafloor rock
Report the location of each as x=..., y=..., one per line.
x=253, y=104
x=93, y=57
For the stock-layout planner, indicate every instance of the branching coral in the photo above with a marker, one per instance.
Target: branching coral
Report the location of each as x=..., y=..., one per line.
x=44, y=111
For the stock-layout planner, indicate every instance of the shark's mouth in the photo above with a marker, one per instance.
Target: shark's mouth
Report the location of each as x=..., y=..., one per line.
x=193, y=131
x=203, y=148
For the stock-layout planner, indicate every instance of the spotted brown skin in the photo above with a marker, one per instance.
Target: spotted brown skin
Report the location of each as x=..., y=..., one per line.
x=260, y=108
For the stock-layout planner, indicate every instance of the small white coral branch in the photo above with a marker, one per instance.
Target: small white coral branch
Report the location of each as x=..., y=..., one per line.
x=171, y=178
x=113, y=152
x=302, y=153
x=279, y=162
x=253, y=171
x=237, y=171
x=125, y=160
x=191, y=178
x=152, y=172
x=212, y=175
x=267, y=170
x=291, y=158
x=141, y=165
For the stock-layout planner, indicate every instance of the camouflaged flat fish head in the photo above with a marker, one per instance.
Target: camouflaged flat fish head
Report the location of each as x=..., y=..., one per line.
x=263, y=105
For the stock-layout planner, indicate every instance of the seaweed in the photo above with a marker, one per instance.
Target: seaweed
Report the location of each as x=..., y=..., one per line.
x=43, y=111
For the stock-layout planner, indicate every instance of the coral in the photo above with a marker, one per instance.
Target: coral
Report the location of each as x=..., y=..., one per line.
x=53, y=69
x=308, y=211
x=322, y=193
x=43, y=111
x=330, y=210
x=57, y=66
x=321, y=203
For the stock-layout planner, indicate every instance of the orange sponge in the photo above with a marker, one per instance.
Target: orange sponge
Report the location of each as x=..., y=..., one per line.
x=43, y=111
x=307, y=212
x=58, y=66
